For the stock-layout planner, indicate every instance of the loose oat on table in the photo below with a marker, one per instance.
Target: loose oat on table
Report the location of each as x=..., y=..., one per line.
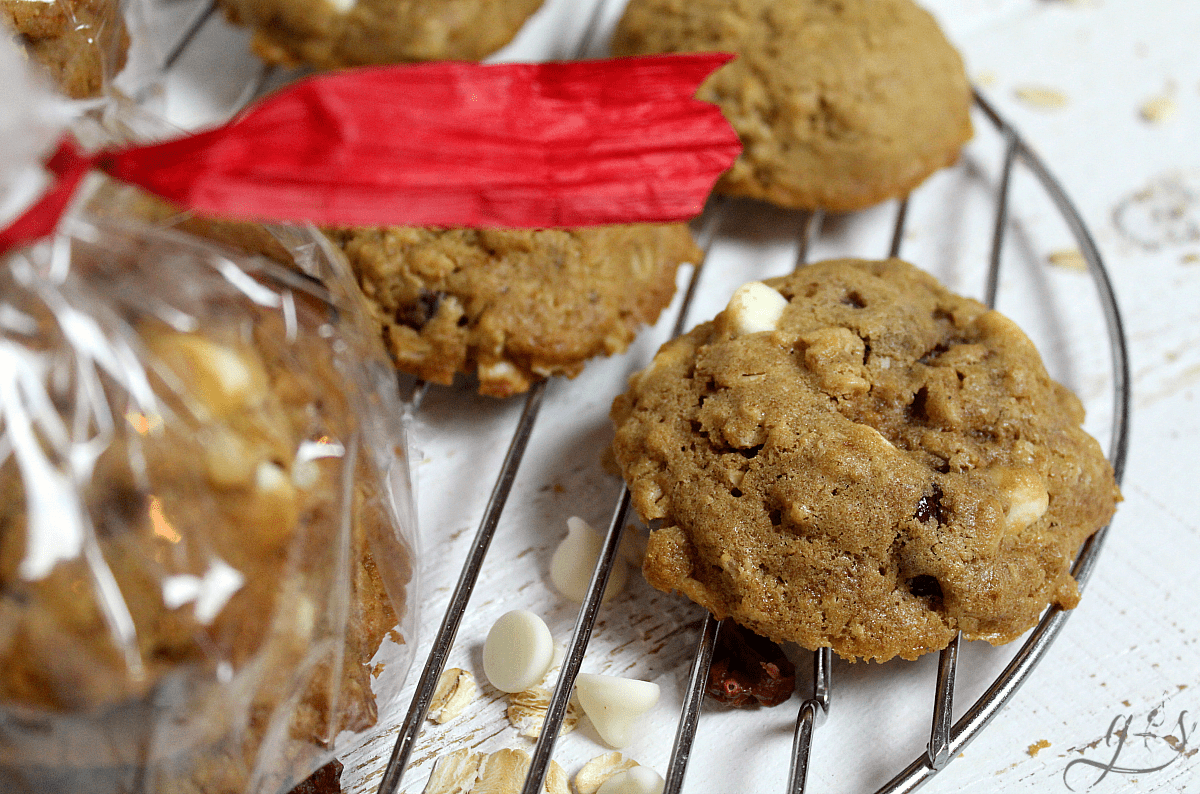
x=838, y=105
x=593, y=774
x=1069, y=258
x=1041, y=97
x=890, y=465
x=455, y=690
x=1158, y=109
x=454, y=773
x=527, y=712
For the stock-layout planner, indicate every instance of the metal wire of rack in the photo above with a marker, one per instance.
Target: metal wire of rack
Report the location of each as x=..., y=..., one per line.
x=947, y=737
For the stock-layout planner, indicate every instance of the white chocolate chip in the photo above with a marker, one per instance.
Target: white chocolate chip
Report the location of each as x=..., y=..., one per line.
x=1024, y=494
x=228, y=460
x=518, y=651
x=589, y=779
x=455, y=690
x=575, y=558
x=613, y=704
x=225, y=380
x=754, y=308
x=639, y=780
x=342, y=6
x=270, y=478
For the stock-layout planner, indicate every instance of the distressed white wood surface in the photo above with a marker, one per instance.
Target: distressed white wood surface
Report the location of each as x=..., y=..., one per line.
x=1112, y=707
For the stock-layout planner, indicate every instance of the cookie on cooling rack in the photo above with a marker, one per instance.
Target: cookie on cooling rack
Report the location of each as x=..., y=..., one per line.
x=838, y=105
x=852, y=456
x=80, y=43
x=335, y=33
x=513, y=306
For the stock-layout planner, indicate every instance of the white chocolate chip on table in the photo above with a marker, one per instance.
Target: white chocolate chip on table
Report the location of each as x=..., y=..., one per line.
x=613, y=704
x=518, y=651
x=575, y=559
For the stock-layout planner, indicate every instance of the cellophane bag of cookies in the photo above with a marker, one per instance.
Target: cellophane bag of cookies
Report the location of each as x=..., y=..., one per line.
x=86, y=48
x=206, y=523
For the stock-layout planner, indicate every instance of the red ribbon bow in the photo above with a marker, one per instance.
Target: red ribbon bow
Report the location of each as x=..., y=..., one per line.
x=445, y=144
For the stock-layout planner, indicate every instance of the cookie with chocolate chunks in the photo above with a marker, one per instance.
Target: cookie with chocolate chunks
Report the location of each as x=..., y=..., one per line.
x=854, y=457
x=513, y=305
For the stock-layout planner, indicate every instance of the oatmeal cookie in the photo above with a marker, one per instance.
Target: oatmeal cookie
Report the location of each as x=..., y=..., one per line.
x=235, y=524
x=334, y=33
x=838, y=105
x=513, y=306
x=853, y=457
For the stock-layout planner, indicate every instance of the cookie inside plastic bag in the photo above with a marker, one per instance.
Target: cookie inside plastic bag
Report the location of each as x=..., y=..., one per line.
x=206, y=526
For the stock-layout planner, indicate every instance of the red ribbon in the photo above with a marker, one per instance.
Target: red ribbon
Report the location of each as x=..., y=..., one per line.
x=445, y=144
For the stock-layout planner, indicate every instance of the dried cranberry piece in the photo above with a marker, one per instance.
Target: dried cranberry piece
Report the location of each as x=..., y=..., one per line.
x=749, y=670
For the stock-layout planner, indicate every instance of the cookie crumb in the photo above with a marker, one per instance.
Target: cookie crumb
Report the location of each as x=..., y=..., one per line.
x=1189, y=259
x=1069, y=258
x=1041, y=97
x=1037, y=747
x=986, y=79
x=1158, y=110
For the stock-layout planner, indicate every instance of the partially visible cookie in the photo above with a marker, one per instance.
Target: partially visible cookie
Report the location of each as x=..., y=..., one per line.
x=839, y=105
x=334, y=33
x=513, y=306
x=79, y=42
x=854, y=457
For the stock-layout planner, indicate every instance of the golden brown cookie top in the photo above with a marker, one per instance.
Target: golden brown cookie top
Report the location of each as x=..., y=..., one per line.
x=838, y=105
x=334, y=33
x=513, y=305
x=866, y=462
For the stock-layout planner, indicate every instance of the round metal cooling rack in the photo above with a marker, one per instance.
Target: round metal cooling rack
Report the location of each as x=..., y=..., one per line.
x=947, y=737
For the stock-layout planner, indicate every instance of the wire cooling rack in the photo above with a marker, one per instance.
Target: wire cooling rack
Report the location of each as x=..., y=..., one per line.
x=731, y=230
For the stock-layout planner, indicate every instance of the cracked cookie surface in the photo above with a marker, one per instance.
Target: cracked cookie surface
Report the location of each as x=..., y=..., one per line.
x=888, y=464
x=513, y=306
x=839, y=105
